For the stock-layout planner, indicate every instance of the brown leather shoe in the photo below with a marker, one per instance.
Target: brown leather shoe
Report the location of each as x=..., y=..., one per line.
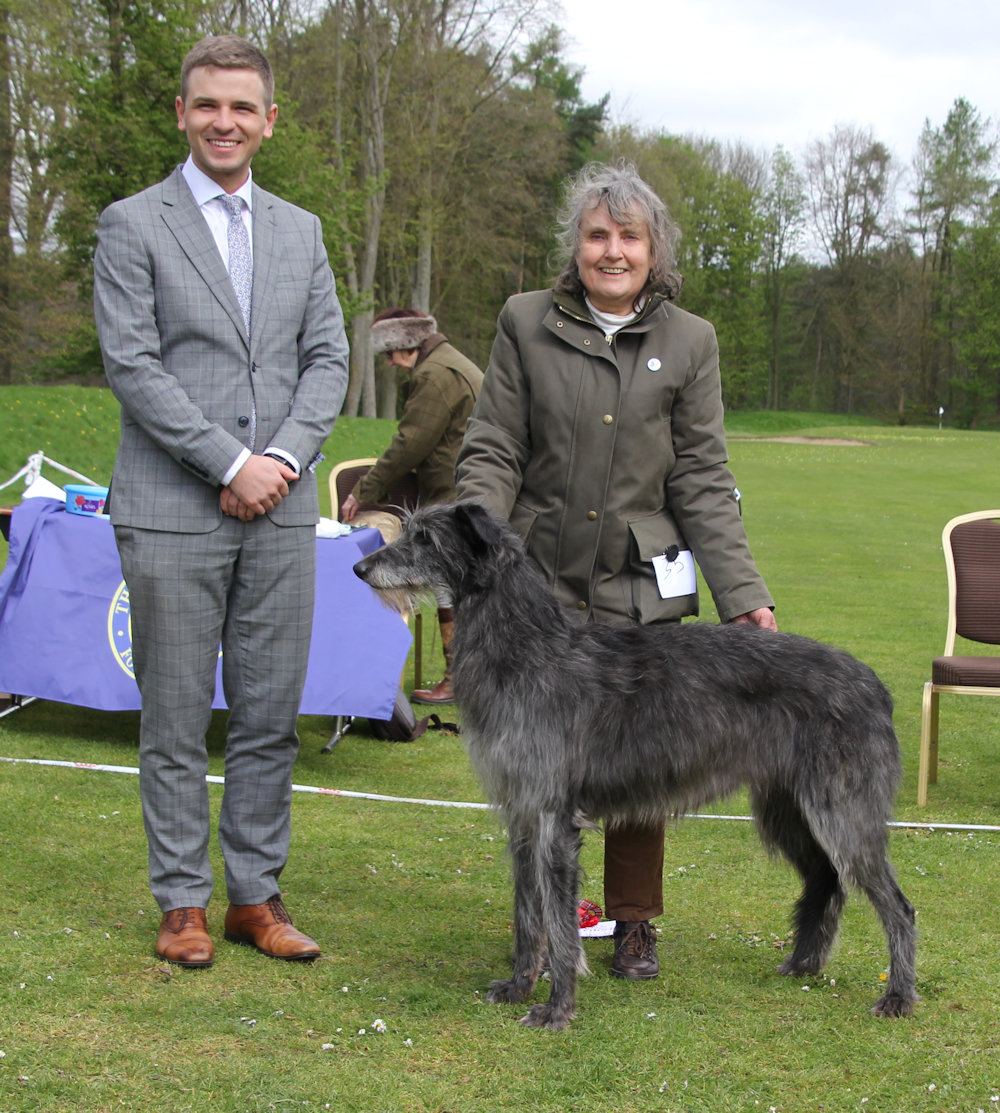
x=441, y=692
x=183, y=938
x=635, y=951
x=268, y=927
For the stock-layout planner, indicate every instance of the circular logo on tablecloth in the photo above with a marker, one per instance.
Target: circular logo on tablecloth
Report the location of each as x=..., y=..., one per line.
x=120, y=629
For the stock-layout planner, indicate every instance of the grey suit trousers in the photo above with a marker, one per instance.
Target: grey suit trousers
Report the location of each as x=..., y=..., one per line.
x=249, y=586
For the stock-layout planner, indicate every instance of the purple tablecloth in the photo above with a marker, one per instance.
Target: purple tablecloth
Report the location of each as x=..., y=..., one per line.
x=65, y=633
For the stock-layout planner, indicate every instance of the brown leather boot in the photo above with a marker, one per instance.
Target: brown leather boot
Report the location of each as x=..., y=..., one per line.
x=635, y=951
x=183, y=938
x=442, y=692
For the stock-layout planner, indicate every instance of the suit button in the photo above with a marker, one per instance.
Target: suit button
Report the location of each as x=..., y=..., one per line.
x=243, y=422
x=607, y=419
x=591, y=515
x=582, y=605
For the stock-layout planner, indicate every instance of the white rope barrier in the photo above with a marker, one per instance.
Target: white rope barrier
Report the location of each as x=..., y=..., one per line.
x=320, y=791
x=32, y=470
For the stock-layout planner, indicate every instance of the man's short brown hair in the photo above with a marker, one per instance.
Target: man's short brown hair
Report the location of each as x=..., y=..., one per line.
x=228, y=52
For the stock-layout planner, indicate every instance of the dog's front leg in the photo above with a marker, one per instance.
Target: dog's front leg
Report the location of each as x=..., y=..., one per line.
x=557, y=854
x=529, y=933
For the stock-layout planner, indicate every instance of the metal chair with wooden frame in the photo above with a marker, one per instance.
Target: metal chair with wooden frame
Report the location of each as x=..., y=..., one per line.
x=971, y=545
x=401, y=498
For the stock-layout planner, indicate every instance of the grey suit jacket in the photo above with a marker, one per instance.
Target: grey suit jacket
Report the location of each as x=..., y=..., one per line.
x=178, y=358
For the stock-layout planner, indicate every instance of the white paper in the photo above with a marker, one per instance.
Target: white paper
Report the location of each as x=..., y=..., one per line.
x=41, y=488
x=676, y=577
x=599, y=930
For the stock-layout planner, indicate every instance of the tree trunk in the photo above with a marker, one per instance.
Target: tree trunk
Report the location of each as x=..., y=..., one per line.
x=813, y=404
x=7, y=310
x=375, y=62
x=425, y=254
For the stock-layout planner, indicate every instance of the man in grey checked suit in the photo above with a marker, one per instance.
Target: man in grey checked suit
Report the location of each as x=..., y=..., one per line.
x=213, y=501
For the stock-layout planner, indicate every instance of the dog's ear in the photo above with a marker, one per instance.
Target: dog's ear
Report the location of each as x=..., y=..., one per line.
x=492, y=545
x=477, y=527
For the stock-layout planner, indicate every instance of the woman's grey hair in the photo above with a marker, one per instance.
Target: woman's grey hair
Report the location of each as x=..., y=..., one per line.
x=628, y=198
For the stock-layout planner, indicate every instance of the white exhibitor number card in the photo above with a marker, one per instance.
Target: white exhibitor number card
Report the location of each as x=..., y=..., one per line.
x=675, y=577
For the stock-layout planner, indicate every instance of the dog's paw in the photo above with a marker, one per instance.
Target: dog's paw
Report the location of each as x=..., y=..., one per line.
x=893, y=1005
x=544, y=1016
x=509, y=992
x=800, y=968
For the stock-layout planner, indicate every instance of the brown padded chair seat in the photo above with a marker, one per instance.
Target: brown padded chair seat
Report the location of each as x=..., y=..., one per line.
x=979, y=672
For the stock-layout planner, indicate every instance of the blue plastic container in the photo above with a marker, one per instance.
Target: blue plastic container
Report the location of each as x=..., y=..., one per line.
x=85, y=500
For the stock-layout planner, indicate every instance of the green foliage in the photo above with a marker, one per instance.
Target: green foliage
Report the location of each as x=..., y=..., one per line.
x=296, y=165
x=432, y=137
x=724, y=285
x=955, y=177
x=977, y=272
x=783, y=221
x=545, y=68
x=124, y=136
x=719, y=256
x=411, y=903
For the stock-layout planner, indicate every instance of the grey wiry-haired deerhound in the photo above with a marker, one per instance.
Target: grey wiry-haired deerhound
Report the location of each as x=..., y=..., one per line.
x=565, y=721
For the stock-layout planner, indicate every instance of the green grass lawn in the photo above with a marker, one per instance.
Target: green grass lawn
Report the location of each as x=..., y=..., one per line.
x=411, y=902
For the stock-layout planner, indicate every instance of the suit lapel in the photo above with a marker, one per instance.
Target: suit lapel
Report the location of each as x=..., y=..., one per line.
x=263, y=258
x=187, y=224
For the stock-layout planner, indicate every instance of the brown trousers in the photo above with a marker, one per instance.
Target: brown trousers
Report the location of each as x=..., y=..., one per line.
x=633, y=872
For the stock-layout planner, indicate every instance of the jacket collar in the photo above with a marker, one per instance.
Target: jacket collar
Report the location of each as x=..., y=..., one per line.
x=575, y=307
x=435, y=340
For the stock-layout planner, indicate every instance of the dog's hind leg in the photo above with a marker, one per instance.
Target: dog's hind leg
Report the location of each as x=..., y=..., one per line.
x=818, y=910
x=557, y=859
x=855, y=852
x=529, y=931
x=899, y=920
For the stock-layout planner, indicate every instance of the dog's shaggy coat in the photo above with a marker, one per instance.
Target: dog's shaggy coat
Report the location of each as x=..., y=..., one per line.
x=565, y=722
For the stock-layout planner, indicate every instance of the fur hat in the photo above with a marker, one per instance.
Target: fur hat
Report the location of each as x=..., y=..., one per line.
x=393, y=334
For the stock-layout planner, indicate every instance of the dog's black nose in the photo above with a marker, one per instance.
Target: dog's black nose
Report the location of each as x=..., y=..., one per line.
x=361, y=568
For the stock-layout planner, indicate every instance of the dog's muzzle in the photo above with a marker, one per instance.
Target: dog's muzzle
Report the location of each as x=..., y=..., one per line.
x=361, y=569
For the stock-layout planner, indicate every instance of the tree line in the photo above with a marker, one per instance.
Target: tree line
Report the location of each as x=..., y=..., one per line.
x=432, y=137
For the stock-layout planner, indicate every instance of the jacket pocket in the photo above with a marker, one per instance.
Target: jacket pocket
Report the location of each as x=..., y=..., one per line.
x=522, y=520
x=650, y=536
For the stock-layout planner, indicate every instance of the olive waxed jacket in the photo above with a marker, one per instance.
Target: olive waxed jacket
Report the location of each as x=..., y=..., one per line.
x=443, y=389
x=605, y=451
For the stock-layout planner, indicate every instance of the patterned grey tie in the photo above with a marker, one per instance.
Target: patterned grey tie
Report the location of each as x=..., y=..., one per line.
x=241, y=275
x=240, y=260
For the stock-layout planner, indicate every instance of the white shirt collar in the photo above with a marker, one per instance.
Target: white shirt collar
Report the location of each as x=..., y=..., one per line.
x=204, y=189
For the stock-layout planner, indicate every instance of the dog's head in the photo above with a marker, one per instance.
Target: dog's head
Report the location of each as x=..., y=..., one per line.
x=453, y=548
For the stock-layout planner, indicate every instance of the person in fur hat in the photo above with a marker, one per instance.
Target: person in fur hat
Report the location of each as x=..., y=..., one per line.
x=443, y=388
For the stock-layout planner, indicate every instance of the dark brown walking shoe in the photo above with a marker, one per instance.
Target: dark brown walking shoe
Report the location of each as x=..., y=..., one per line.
x=635, y=951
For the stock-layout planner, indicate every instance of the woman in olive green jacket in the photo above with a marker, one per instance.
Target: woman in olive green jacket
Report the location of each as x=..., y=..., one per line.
x=443, y=388
x=599, y=434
